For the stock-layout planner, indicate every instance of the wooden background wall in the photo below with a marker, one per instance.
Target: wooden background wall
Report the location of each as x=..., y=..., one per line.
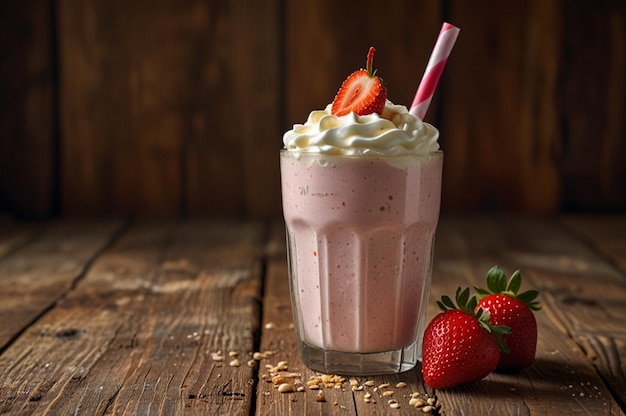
x=177, y=107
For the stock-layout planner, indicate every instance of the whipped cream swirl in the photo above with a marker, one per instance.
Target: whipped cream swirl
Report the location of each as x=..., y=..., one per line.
x=394, y=132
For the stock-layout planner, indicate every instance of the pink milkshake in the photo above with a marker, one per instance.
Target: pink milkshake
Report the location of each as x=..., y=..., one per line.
x=361, y=193
x=360, y=234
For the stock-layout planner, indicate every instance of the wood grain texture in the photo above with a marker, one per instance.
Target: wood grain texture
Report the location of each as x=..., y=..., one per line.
x=177, y=108
x=28, y=164
x=169, y=109
x=120, y=123
x=136, y=333
x=606, y=234
x=488, y=101
x=42, y=266
x=593, y=105
x=606, y=346
x=231, y=154
x=530, y=85
x=139, y=332
x=258, y=45
x=14, y=235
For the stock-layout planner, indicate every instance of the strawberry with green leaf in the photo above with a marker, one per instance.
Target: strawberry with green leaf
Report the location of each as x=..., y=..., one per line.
x=508, y=307
x=362, y=92
x=460, y=344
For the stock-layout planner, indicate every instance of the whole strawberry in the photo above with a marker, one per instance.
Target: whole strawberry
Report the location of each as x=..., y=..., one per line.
x=508, y=307
x=362, y=92
x=460, y=345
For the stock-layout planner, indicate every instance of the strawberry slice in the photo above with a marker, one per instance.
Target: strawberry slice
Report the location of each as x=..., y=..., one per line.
x=362, y=92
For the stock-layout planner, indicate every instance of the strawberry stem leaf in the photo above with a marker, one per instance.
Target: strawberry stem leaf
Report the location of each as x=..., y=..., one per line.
x=447, y=303
x=497, y=284
x=498, y=331
x=515, y=282
x=528, y=298
x=462, y=296
x=484, y=319
x=496, y=280
x=482, y=291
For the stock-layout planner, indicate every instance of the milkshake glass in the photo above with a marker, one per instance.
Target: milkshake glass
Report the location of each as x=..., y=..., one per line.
x=361, y=221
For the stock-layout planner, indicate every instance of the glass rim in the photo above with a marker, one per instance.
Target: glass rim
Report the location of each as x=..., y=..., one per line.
x=298, y=154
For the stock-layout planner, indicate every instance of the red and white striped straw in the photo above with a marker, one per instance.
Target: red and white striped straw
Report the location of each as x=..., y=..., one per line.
x=436, y=63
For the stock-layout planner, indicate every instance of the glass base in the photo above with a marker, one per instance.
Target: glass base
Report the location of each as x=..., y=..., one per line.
x=358, y=364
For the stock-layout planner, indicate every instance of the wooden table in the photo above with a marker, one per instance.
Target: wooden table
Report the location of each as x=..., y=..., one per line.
x=158, y=317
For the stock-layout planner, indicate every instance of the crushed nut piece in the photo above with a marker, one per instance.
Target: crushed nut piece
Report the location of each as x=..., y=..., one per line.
x=401, y=385
x=285, y=388
x=415, y=402
x=320, y=397
x=278, y=380
x=327, y=378
x=388, y=393
x=234, y=363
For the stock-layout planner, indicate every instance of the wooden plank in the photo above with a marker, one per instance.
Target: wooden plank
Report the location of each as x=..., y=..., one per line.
x=567, y=376
x=528, y=84
x=138, y=333
x=606, y=234
x=488, y=99
x=14, y=235
x=539, y=129
x=27, y=109
x=593, y=104
x=40, y=269
x=256, y=92
x=125, y=77
x=231, y=157
x=148, y=95
x=170, y=109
